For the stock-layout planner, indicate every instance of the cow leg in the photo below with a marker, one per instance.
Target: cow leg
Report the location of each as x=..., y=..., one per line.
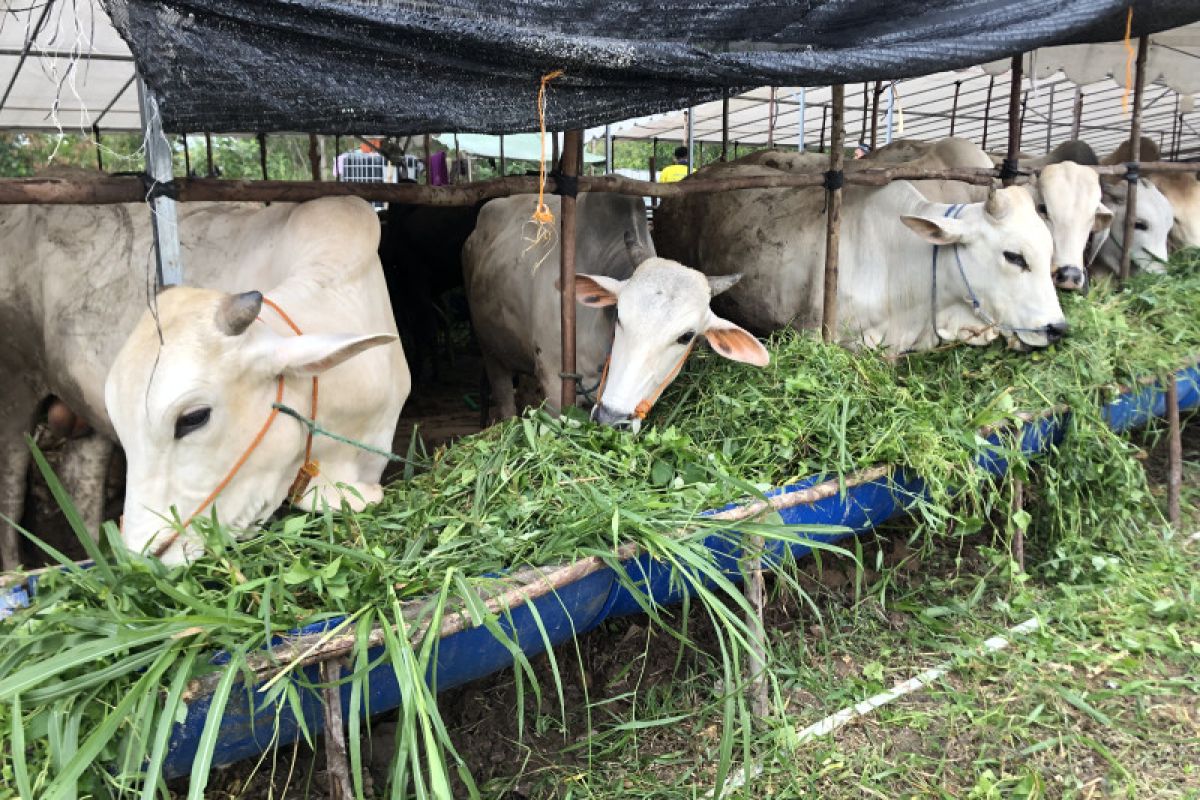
x=503, y=394
x=84, y=475
x=18, y=408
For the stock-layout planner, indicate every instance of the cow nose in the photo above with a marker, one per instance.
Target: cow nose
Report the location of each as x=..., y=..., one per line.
x=606, y=416
x=1057, y=330
x=1069, y=277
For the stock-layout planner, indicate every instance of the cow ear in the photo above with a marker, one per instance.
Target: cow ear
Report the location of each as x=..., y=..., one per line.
x=1103, y=220
x=597, y=291
x=314, y=353
x=935, y=230
x=735, y=343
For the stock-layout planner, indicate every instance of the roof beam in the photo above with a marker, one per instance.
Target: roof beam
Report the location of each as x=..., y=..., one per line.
x=25, y=51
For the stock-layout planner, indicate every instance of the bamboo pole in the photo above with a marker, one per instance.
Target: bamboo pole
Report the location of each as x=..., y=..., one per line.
x=572, y=145
x=1077, y=114
x=1135, y=153
x=504, y=165
x=833, y=203
x=187, y=158
x=1174, y=454
x=755, y=590
x=208, y=154
x=862, y=135
x=1008, y=171
x=96, y=140
x=824, y=117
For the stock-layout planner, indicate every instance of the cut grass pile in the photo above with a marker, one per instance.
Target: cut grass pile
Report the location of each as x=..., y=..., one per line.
x=92, y=675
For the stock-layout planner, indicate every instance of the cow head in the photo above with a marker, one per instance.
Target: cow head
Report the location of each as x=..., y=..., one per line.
x=1151, y=229
x=1004, y=250
x=661, y=309
x=1070, y=204
x=187, y=395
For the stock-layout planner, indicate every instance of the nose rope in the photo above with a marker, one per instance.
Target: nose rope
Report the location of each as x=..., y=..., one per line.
x=307, y=472
x=952, y=212
x=643, y=408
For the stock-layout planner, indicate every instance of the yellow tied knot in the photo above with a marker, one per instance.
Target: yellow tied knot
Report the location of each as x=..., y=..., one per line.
x=542, y=215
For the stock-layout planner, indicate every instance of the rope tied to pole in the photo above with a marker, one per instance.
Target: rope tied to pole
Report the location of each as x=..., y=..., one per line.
x=1132, y=175
x=542, y=214
x=1009, y=169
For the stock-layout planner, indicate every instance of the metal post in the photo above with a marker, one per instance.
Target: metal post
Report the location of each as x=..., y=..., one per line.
x=96, y=139
x=833, y=202
x=725, y=126
x=802, y=102
x=1050, y=118
x=337, y=152
x=891, y=113
x=862, y=135
x=458, y=158
x=553, y=150
x=691, y=142
x=163, y=213
x=1021, y=125
x=187, y=158
x=314, y=156
x=987, y=111
x=570, y=167
x=262, y=155
x=1014, y=123
x=1174, y=454
x=608, y=150
x=875, y=113
x=824, y=117
x=208, y=154
x=771, y=119
x=1077, y=114
x=954, y=106
x=1135, y=154
x=503, y=163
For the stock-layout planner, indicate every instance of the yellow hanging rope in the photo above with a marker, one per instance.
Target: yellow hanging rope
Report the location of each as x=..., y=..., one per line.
x=543, y=215
x=1129, y=55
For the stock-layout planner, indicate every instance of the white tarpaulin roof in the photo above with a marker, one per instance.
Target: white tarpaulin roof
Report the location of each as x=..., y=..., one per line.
x=517, y=146
x=47, y=84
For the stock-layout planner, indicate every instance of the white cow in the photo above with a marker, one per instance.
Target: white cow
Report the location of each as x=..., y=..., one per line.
x=1181, y=189
x=661, y=307
x=912, y=273
x=187, y=393
x=1065, y=193
x=1151, y=229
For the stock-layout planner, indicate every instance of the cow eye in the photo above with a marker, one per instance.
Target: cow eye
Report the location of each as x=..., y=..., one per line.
x=1016, y=258
x=190, y=421
x=1041, y=209
x=686, y=338
x=1141, y=225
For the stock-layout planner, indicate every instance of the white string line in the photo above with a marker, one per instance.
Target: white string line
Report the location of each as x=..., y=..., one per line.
x=834, y=721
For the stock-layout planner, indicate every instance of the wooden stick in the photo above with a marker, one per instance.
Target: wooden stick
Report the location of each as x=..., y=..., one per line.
x=755, y=591
x=208, y=153
x=954, y=107
x=725, y=125
x=314, y=156
x=337, y=762
x=1135, y=152
x=1014, y=117
x=187, y=157
x=875, y=113
x=1018, y=539
x=1174, y=454
x=833, y=218
x=262, y=155
x=987, y=111
x=572, y=144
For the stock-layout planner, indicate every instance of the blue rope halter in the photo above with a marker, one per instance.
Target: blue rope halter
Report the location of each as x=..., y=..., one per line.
x=952, y=212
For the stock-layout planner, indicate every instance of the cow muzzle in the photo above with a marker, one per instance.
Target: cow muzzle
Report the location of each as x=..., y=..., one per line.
x=1069, y=278
x=614, y=419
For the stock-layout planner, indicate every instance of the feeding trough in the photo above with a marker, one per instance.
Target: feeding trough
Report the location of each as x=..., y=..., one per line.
x=551, y=606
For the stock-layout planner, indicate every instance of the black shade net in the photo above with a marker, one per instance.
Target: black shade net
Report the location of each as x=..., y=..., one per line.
x=388, y=67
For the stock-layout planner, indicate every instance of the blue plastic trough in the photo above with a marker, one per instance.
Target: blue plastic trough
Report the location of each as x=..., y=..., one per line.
x=584, y=604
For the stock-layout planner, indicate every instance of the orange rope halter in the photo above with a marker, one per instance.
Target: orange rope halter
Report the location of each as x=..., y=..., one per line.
x=307, y=472
x=643, y=408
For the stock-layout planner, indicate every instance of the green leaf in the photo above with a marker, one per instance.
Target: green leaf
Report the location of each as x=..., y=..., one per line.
x=202, y=764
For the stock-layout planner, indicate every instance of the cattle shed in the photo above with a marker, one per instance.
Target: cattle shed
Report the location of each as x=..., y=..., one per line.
x=835, y=74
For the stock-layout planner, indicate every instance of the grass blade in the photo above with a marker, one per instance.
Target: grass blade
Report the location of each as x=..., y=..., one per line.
x=212, y=729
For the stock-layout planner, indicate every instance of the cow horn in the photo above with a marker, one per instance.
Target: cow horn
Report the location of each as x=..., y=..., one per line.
x=637, y=251
x=237, y=311
x=721, y=283
x=996, y=206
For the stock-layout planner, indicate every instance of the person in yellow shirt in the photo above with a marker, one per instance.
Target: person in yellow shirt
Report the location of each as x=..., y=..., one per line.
x=677, y=171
